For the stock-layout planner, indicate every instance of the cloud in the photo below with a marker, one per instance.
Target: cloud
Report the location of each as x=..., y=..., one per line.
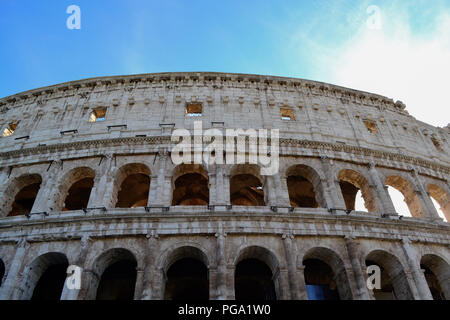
x=402, y=62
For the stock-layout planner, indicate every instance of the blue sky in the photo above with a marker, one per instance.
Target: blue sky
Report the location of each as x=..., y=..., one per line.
x=407, y=58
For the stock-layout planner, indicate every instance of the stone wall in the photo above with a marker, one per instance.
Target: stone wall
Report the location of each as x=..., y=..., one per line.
x=327, y=142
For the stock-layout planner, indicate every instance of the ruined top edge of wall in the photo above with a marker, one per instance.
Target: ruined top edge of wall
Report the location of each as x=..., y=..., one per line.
x=203, y=76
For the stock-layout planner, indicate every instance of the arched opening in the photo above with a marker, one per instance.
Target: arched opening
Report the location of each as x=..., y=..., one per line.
x=187, y=279
x=253, y=281
x=75, y=189
x=256, y=275
x=187, y=275
x=246, y=190
x=386, y=290
x=23, y=192
x=433, y=284
x=24, y=200
x=437, y=275
x=409, y=197
x=51, y=283
x=394, y=283
x=134, y=181
x=117, y=268
x=246, y=186
x=441, y=201
x=325, y=275
x=45, y=277
x=190, y=186
x=304, y=187
x=2, y=271
x=319, y=279
x=354, y=186
x=78, y=195
x=118, y=281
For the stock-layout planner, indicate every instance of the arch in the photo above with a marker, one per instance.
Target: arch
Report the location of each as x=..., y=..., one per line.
x=351, y=182
x=409, y=193
x=190, y=185
x=44, y=278
x=257, y=274
x=115, y=275
x=437, y=275
x=441, y=197
x=2, y=271
x=305, y=187
x=394, y=283
x=75, y=189
x=246, y=185
x=132, y=185
x=187, y=274
x=325, y=275
x=21, y=194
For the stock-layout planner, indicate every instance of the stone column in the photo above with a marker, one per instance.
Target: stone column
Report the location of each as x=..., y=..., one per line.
x=332, y=189
x=229, y=282
x=293, y=281
x=282, y=191
x=354, y=255
x=282, y=284
x=387, y=207
x=212, y=186
x=101, y=183
x=212, y=279
x=73, y=294
x=160, y=185
x=300, y=271
x=269, y=191
x=149, y=272
x=47, y=188
x=139, y=283
x=416, y=273
x=226, y=188
x=425, y=200
x=221, y=265
x=13, y=278
x=221, y=196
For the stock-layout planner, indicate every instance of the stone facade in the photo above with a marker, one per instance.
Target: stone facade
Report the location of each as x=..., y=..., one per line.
x=335, y=138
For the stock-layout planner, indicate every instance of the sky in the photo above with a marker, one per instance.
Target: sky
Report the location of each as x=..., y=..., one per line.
x=396, y=48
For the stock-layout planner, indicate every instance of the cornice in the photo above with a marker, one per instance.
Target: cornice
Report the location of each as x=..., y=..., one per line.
x=44, y=230
x=215, y=79
x=283, y=142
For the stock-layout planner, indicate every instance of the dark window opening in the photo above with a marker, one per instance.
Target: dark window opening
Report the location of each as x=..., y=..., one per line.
x=253, y=281
x=386, y=292
x=98, y=115
x=187, y=279
x=78, y=195
x=51, y=283
x=134, y=191
x=118, y=281
x=246, y=190
x=320, y=281
x=301, y=192
x=9, y=130
x=191, y=189
x=194, y=109
x=24, y=200
x=433, y=284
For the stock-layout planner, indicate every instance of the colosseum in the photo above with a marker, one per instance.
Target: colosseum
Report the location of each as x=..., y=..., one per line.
x=89, y=188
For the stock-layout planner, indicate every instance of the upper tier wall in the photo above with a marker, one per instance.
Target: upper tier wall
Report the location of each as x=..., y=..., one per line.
x=322, y=112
